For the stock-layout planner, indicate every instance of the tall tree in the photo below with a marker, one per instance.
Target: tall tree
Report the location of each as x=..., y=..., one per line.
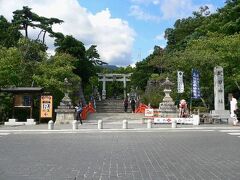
x=51, y=73
x=86, y=59
x=25, y=18
x=9, y=34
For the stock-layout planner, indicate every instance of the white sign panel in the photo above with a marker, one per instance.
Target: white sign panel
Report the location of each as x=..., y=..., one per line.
x=169, y=120
x=149, y=112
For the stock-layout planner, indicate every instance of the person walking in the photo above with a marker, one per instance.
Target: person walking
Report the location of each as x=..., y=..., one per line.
x=79, y=109
x=133, y=104
x=125, y=104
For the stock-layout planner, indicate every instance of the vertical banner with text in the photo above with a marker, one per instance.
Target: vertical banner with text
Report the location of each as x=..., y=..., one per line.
x=46, y=106
x=196, y=94
x=180, y=82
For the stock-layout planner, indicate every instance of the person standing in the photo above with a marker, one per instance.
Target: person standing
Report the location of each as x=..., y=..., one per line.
x=133, y=104
x=125, y=104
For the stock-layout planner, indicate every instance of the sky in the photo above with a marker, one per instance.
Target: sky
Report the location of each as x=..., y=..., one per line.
x=125, y=31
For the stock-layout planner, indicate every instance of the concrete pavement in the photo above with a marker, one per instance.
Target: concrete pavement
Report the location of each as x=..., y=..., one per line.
x=120, y=155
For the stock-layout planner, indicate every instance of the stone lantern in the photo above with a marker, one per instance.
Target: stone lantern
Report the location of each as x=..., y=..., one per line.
x=167, y=107
x=65, y=113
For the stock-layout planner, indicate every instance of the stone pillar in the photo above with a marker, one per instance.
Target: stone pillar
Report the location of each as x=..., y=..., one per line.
x=104, y=88
x=219, y=104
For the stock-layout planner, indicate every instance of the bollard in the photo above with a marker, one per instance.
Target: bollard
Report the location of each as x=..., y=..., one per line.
x=125, y=124
x=74, y=125
x=100, y=124
x=149, y=124
x=50, y=125
x=174, y=123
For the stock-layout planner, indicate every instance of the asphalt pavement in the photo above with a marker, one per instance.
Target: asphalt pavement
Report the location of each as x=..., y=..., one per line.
x=187, y=152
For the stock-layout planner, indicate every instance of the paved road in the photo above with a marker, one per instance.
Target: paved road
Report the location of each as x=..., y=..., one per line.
x=120, y=155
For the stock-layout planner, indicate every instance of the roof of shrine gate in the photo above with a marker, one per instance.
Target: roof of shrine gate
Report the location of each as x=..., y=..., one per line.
x=22, y=90
x=113, y=77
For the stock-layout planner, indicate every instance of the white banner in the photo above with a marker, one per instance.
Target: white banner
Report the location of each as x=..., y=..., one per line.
x=180, y=82
x=169, y=120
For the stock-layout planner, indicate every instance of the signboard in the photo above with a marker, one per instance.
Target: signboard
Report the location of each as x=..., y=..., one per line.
x=180, y=82
x=149, y=112
x=46, y=106
x=22, y=101
x=169, y=120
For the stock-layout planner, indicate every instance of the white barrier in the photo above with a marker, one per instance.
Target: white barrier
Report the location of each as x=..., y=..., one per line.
x=100, y=124
x=194, y=120
x=75, y=125
x=50, y=125
x=125, y=124
x=149, y=124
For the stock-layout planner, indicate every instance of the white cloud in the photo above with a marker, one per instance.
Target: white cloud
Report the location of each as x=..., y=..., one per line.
x=150, y=51
x=160, y=40
x=174, y=9
x=168, y=9
x=160, y=37
x=138, y=13
x=113, y=37
x=155, y=2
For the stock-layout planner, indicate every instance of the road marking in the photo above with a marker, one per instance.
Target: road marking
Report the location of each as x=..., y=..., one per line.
x=4, y=134
x=90, y=131
x=230, y=130
x=234, y=134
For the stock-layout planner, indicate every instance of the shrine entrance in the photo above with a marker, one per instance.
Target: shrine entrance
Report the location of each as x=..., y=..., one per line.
x=111, y=78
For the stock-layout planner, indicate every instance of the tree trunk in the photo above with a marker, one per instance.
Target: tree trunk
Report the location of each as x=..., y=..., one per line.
x=237, y=85
x=39, y=34
x=26, y=31
x=81, y=95
x=44, y=37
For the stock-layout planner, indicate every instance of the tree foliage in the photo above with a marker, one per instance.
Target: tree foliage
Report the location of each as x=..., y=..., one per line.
x=201, y=41
x=9, y=34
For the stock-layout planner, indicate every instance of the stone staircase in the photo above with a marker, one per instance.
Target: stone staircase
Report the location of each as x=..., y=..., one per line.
x=110, y=106
x=115, y=118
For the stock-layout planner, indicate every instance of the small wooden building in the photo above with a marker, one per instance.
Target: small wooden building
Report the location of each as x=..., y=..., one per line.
x=23, y=98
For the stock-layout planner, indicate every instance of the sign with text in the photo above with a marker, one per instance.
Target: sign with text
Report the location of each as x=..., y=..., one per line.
x=169, y=120
x=22, y=101
x=149, y=112
x=180, y=82
x=46, y=106
x=196, y=94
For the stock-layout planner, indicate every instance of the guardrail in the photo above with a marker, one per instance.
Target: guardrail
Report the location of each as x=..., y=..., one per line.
x=141, y=108
x=87, y=109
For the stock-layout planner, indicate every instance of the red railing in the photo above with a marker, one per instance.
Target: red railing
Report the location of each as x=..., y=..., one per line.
x=141, y=108
x=87, y=109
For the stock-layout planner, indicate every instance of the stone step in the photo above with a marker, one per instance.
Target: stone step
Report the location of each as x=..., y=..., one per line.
x=110, y=106
x=114, y=117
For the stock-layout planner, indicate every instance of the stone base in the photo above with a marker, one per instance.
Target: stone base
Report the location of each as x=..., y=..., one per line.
x=30, y=122
x=64, y=116
x=168, y=115
x=223, y=115
x=14, y=122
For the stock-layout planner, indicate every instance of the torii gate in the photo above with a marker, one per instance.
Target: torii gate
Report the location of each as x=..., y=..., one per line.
x=113, y=77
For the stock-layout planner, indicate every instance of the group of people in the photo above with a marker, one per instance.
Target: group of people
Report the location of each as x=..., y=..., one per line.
x=132, y=102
